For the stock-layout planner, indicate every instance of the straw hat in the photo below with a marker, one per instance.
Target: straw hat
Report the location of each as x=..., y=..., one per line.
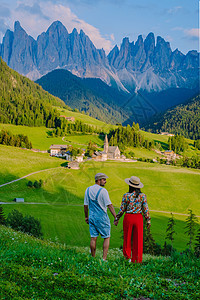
x=100, y=176
x=134, y=182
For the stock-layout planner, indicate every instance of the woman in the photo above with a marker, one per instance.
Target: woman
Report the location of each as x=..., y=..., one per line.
x=134, y=203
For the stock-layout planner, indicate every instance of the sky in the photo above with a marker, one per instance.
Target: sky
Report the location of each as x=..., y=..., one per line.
x=107, y=22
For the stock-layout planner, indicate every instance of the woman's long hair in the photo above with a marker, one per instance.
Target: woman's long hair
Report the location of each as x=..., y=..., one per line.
x=134, y=189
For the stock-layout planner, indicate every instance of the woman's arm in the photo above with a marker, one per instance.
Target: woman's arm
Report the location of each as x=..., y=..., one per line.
x=145, y=210
x=122, y=209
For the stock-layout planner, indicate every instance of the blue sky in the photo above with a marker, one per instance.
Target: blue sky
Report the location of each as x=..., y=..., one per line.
x=107, y=22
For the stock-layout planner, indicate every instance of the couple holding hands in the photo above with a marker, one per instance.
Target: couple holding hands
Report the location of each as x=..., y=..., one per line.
x=134, y=204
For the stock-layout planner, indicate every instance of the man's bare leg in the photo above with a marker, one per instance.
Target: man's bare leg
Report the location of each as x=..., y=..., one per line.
x=93, y=242
x=106, y=244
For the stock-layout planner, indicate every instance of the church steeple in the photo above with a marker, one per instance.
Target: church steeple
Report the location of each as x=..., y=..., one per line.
x=106, y=144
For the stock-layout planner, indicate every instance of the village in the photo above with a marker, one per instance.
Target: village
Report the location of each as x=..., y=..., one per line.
x=108, y=153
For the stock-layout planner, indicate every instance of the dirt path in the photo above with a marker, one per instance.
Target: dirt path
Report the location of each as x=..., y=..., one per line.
x=27, y=176
x=169, y=212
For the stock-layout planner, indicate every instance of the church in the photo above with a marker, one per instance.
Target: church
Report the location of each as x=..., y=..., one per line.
x=112, y=152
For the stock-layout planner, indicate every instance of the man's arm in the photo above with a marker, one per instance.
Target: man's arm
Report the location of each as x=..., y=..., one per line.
x=112, y=210
x=86, y=213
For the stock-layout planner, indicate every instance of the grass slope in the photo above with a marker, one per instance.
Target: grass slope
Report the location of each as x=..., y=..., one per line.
x=61, y=211
x=40, y=138
x=34, y=269
x=86, y=119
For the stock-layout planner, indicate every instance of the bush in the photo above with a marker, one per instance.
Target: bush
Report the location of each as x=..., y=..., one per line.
x=14, y=220
x=27, y=224
x=30, y=184
x=31, y=226
x=36, y=184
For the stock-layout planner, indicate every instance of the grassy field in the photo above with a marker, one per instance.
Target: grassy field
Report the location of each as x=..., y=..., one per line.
x=86, y=119
x=168, y=188
x=41, y=140
x=65, y=224
x=81, y=141
x=35, y=269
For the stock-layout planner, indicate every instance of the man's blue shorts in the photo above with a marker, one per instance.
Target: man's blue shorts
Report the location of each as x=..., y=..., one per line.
x=99, y=226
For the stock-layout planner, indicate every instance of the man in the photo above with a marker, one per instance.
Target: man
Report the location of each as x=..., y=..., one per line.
x=97, y=199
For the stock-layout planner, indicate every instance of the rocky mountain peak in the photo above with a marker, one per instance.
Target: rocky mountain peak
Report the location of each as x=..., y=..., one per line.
x=58, y=27
x=143, y=65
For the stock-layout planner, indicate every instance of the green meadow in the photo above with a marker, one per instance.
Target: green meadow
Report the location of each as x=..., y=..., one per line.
x=85, y=119
x=59, y=203
x=34, y=269
x=66, y=224
x=41, y=139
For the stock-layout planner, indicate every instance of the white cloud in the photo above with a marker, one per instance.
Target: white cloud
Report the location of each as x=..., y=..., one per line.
x=112, y=37
x=194, y=32
x=35, y=23
x=174, y=10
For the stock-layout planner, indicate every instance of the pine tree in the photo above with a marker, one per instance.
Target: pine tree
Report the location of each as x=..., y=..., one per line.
x=170, y=230
x=190, y=228
x=149, y=243
x=197, y=244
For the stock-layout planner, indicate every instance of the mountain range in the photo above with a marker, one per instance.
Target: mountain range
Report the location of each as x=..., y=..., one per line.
x=146, y=65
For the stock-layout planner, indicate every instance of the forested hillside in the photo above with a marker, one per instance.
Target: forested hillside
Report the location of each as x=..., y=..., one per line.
x=23, y=102
x=183, y=119
x=89, y=95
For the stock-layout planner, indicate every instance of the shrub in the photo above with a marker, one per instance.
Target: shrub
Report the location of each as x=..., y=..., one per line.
x=14, y=219
x=27, y=224
x=30, y=184
x=36, y=184
x=31, y=226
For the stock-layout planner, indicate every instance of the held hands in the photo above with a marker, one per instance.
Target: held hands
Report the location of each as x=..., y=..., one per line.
x=87, y=220
x=116, y=222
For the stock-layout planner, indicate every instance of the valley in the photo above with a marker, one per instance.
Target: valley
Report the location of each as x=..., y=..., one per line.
x=91, y=87
x=60, y=199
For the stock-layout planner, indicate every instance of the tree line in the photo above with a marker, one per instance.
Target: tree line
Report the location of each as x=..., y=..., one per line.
x=19, y=140
x=67, y=127
x=129, y=136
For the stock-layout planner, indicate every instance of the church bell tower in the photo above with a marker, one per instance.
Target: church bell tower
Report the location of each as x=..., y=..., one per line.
x=106, y=144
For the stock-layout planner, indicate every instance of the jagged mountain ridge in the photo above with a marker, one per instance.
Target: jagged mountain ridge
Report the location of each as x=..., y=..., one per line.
x=146, y=65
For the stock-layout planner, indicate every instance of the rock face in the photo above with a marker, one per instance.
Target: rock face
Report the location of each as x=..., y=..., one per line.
x=147, y=65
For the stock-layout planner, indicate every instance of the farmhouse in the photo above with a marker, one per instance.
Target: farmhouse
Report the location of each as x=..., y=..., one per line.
x=68, y=118
x=57, y=150
x=167, y=133
x=169, y=154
